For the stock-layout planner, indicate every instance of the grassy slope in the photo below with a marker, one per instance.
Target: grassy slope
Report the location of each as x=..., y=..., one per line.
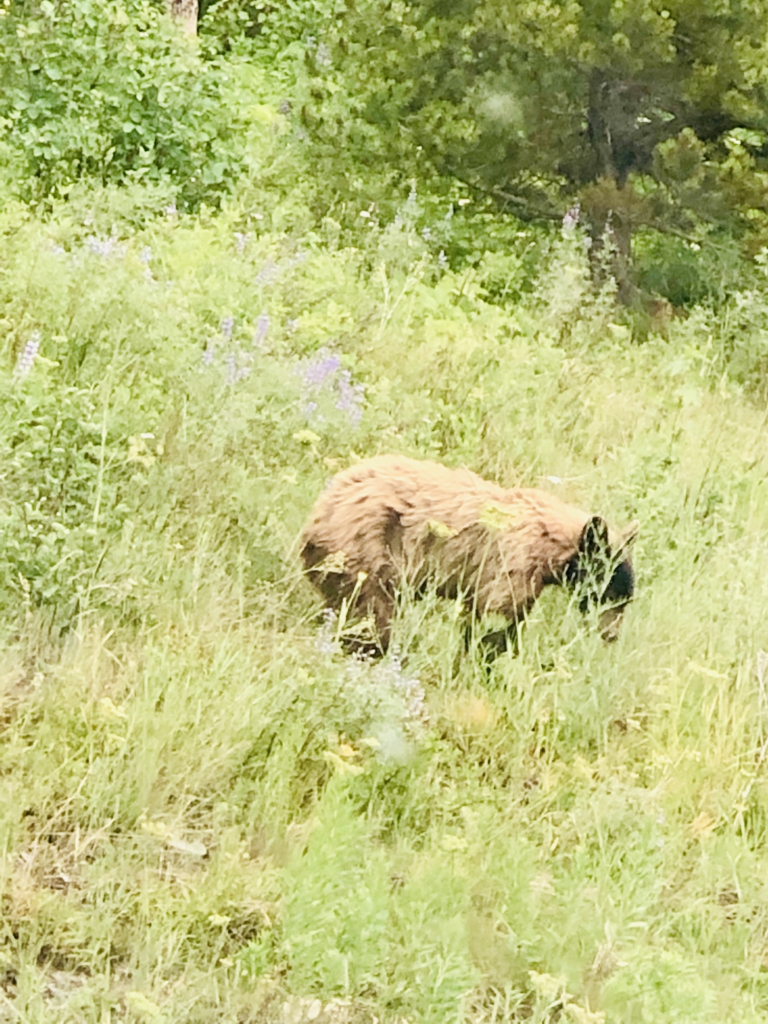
x=588, y=820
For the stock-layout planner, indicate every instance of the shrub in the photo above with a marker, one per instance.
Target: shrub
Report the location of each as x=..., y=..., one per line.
x=109, y=91
x=61, y=496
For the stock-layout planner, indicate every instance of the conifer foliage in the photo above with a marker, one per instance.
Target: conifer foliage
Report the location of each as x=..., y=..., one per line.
x=647, y=114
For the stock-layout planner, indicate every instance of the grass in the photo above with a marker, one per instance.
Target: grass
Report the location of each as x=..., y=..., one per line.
x=208, y=812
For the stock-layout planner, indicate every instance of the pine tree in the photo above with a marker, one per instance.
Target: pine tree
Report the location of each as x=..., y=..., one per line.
x=645, y=113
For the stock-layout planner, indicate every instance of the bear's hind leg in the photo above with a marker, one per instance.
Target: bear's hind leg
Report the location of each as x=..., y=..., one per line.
x=491, y=645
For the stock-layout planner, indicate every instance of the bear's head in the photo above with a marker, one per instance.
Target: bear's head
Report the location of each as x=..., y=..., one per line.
x=601, y=575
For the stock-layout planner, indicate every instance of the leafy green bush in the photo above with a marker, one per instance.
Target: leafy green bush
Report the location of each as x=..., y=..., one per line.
x=686, y=272
x=273, y=28
x=108, y=90
x=61, y=496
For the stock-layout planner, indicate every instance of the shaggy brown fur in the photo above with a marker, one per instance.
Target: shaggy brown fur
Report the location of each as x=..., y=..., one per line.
x=392, y=520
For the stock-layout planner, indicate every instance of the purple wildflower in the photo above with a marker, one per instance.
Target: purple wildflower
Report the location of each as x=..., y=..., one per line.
x=319, y=369
x=227, y=326
x=392, y=674
x=350, y=397
x=284, y=108
x=208, y=356
x=28, y=355
x=262, y=327
x=324, y=373
x=245, y=360
x=398, y=694
x=241, y=240
x=292, y=324
x=269, y=273
x=326, y=636
x=571, y=218
x=231, y=364
x=105, y=247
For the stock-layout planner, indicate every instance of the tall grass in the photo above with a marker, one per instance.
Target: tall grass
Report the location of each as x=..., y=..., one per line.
x=208, y=812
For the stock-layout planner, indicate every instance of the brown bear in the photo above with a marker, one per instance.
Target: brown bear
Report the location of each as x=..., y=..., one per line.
x=392, y=520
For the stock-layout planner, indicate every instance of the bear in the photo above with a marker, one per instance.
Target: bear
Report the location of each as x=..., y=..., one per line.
x=391, y=521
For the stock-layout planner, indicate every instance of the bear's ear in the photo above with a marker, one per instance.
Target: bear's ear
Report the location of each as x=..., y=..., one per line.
x=594, y=543
x=627, y=537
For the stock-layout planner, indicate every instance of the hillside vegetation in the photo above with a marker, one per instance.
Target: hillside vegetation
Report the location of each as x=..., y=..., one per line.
x=207, y=811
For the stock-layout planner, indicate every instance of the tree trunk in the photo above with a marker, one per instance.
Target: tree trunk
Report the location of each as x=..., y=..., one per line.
x=184, y=13
x=621, y=232
x=615, y=232
x=599, y=128
x=609, y=200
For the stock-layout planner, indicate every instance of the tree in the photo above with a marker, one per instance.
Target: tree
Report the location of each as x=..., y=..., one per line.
x=645, y=113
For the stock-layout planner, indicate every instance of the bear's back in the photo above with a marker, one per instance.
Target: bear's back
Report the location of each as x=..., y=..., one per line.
x=357, y=511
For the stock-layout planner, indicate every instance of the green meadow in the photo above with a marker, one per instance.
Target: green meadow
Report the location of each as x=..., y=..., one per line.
x=208, y=812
